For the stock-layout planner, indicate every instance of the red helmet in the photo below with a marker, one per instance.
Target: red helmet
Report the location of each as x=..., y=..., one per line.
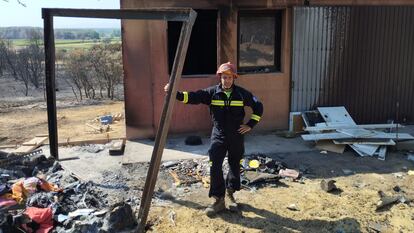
x=227, y=68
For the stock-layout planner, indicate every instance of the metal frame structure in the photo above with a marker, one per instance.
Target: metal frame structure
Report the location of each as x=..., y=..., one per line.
x=185, y=15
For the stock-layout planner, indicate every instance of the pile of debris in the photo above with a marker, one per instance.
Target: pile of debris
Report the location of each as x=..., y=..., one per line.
x=256, y=170
x=103, y=123
x=187, y=172
x=333, y=128
x=37, y=195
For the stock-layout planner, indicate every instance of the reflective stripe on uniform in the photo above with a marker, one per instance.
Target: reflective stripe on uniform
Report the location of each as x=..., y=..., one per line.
x=255, y=117
x=236, y=103
x=217, y=102
x=185, y=100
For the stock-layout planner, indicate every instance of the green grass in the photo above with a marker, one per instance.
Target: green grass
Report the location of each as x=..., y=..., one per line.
x=66, y=44
x=20, y=42
x=71, y=44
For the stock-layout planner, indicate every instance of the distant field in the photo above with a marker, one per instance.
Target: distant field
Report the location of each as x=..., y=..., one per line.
x=67, y=44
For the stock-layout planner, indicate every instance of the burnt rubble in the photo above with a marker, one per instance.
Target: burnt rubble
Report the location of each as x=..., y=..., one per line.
x=65, y=203
x=70, y=204
x=257, y=170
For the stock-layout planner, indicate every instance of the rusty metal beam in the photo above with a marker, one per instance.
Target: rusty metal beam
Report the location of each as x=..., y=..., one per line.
x=187, y=16
x=165, y=120
x=49, y=43
x=170, y=14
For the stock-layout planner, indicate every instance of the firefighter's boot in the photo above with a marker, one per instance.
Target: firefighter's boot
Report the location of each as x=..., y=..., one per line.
x=217, y=206
x=233, y=206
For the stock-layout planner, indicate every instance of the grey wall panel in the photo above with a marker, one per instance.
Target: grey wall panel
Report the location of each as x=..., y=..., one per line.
x=358, y=57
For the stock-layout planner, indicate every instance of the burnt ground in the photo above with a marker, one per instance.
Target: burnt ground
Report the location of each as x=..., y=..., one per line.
x=351, y=208
x=263, y=208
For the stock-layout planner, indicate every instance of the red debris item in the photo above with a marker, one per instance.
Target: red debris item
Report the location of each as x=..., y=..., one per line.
x=42, y=216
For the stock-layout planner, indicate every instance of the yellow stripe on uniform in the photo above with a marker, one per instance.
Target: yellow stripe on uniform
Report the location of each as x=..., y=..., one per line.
x=185, y=100
x=255, y=117
x=236, y=103
x=217, y=102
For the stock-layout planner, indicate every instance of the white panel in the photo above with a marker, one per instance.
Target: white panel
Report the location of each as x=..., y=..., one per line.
x=366, y=149
x=336, y=116
x=382, y=152
x=326, y=136
x=323, y=126
x=357, y=133
x=389, y=142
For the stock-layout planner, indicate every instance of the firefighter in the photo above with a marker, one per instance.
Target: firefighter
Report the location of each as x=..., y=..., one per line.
x=226, y=102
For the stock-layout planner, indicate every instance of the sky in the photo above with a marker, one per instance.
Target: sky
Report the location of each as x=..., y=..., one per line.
x=14, y=14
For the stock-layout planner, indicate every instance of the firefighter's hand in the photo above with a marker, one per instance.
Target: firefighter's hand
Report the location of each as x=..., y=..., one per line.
x=244, y=129
x=167, y=87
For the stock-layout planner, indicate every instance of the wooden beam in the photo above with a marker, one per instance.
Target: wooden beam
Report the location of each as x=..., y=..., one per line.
x=88, y=141
x=186, y=15
x=170, y=14
x=49, y=42
x=30, y=145
x=36, y=141
x=165, y=120
x=7, y=146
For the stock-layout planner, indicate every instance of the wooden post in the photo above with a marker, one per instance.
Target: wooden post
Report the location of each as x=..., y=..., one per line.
x=49, y=43
x=165, y=121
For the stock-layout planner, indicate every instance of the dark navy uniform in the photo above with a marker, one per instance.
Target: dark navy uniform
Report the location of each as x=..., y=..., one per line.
x=227, y=114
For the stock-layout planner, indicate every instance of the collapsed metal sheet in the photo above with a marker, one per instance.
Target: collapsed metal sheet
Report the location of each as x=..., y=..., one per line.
x=366, y=150
x=382, y=152
x=360, y=153
x=357, y=133
x=323, y=126
x=377, y=135
x=370, y=141
x=336, y=116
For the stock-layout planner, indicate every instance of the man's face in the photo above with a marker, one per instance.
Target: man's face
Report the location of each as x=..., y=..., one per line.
x=226, y=81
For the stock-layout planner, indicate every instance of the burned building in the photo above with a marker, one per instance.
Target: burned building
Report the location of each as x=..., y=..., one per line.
x=294, y=55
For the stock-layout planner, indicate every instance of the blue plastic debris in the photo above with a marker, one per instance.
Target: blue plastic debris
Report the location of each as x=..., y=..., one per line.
x=105, y=120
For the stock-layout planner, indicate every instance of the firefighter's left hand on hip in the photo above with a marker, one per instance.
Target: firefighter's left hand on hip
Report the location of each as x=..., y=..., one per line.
x=244, y=129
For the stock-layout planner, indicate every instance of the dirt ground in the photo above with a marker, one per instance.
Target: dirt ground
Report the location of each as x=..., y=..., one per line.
x=22, y=123
x=352, y=209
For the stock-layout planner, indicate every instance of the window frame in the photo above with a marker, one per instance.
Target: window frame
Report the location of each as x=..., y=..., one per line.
x=277, y=15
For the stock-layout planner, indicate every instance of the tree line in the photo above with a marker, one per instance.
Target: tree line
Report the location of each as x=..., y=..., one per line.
x=95, y=72
x=64, y=34
x=92, y=73
x=26, y=64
